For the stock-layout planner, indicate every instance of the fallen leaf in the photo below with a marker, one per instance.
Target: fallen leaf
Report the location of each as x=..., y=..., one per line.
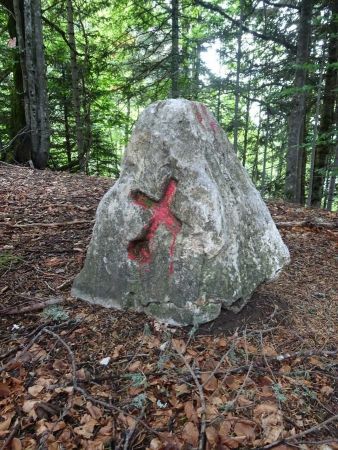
x=4, y=390
x=94, y=411
x=35, y=390
x=245, y=428
x=28, y=405
x=182, y=389
x=190, y=434
x=117, y=350
x=4, y=426
x=191, y=412
x=327, y=390
x=16, y=444
x=87, y=429
x=209, y=382
x=271, y=421
x=212, y=436
x=179, y=345
x=268, y=350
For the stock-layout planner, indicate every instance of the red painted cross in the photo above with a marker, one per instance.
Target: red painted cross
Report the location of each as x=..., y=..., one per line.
x=140, y=249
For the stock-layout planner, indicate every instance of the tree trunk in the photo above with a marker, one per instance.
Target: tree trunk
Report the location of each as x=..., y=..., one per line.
x=334, y=170
x=296, y=117
x=76, y=92
x=247, y=121
x=40, y=159
x=238, y=71
x=20, y=150
x=315, y=130
x=175, y=93
x=266, y=143
x=325, y=144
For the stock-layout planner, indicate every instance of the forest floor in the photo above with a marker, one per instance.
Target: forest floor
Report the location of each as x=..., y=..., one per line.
x=74, y=375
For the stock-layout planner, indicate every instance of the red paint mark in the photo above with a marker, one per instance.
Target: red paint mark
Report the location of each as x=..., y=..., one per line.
x=139, y=249
x=214, y=125
x=198, y=115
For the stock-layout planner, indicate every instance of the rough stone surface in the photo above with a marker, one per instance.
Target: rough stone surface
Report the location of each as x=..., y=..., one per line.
x=183, y=232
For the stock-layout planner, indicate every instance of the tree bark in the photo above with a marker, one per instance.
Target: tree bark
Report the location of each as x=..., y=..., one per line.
x=175, y=93
x=76, y=92
x=238, y=71
x=325, y=145
x=296, y=117
x=334, y=170
x=41, y=158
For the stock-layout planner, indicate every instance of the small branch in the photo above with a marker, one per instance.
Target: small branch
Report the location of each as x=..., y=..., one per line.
x=33, y=307
x=202, y=398
x=282, y=357
x=303, y=433
x=11, y=435
x=43, y=224
x=308, y=223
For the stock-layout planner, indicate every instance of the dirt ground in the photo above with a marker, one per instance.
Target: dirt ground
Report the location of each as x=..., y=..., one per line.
x=74, y=375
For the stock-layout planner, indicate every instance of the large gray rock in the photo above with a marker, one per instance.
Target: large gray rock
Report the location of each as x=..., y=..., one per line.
x=183, y=232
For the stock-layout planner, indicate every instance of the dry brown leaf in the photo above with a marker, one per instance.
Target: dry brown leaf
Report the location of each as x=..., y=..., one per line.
x=28, y=405
x=179, y=345
x=245, y=428
x=212, y=435
x=117, y=351
x=233, y=382
x=327, y=390
x=271, y=421
x=190, y=434
x=243, y=401
x=268, y=350
x=4, y=426
x=212, y=383
x=4, y=390
x=134, y=366
x=94, y=411
x=225, y=428
x=87, y=429
x=155, y=444
x=60, y=365
x=191, y=412
x=35, y=390
x=182, y=389
x=16, y=444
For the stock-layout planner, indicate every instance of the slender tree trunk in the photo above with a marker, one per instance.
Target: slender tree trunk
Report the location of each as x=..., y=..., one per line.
x=238, y=71
x=325, y=144
x=266, y=143
x=296, y=117
x=31, y=76
x=76, y=92
x=246, y=129
x=332, y=185
x=20, y=151
x=42, y=96
x=196, y=72
x=175, y=93
x=254, y=175
x=315, y=130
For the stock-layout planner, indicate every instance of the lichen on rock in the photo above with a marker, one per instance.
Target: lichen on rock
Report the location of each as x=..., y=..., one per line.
x=183, y=232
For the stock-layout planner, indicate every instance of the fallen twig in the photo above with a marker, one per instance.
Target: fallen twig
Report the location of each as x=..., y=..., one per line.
x=281, y=357
x=11, y=435
x=202, y=399
x=44, y=224
x=307, y=223
x=33, y=307
x=303, y=433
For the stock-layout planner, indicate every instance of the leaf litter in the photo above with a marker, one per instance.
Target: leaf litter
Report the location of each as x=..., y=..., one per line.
x=74, y=376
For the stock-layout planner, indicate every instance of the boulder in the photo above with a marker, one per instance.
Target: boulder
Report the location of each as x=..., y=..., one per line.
x=183, y=232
